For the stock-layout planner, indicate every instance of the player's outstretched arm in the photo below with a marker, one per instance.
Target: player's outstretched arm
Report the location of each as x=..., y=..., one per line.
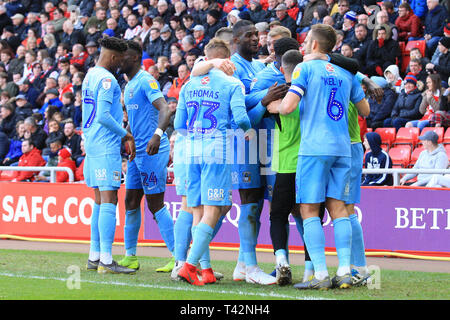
x=203, y=67
x=163, y=123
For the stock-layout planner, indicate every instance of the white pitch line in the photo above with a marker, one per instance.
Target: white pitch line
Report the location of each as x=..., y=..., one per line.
x=176, y=288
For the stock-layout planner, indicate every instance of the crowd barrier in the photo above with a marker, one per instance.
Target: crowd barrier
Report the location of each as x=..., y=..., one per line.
x=397, y=221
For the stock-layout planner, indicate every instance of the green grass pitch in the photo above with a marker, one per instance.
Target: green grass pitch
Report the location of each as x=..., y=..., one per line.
x=31, y=275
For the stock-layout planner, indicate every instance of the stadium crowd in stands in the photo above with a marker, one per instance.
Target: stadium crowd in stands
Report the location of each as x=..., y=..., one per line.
x=47, y=47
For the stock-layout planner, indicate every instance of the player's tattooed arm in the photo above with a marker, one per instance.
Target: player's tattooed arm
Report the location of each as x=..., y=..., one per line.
x=163, y=123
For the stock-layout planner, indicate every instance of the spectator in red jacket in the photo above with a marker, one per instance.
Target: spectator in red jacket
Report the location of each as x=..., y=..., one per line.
x=65, y=160
x=31, y=158
x=408, y=24
x=79, y=175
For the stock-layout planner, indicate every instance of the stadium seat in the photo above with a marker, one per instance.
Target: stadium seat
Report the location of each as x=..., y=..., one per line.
x=415, y=155
x=387, y=135
x=408, y=136
x=439, y=131
x=446, y=138
x=420, y=44
x=400, y=157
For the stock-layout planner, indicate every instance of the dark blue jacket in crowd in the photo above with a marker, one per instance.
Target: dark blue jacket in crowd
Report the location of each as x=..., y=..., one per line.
x=376, y=158
x=381, y=111
x=435, y=21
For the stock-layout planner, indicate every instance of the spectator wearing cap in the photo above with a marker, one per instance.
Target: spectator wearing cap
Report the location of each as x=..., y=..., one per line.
x=51, y=99
x=20, y=28
x=92, y=51
x=409, y=25
x=71, y=36
x=308, y=14
x=433, y=157
x=8, y=86
x=24, y=109
x=256, y=12
x=443, y=65
x=167, y=39
x=382, y=51
x=435, y=21
x=407, y=105
x=348, y=27
x=213, y=23
x=28, y=91
x=285, y=20
x=199, y=35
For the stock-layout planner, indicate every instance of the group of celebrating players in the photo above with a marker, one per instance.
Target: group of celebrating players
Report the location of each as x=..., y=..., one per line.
x=233, y=104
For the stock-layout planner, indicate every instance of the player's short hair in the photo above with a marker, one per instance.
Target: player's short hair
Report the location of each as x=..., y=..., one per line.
x=135, y=46
x=280, y=31
x=283, y=45
x=239, y=26
x=291, y=59
x=217, y=48
x=325, y=35
x=114, y=44
x=224, y=31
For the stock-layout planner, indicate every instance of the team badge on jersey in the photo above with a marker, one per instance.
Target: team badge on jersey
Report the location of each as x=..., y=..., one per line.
x=153, y=84
x=131, y=93
x=205, y=80
x=106, y=84
x=247, y=177
x=116, y=176
x=329, y=68
x=296, y=73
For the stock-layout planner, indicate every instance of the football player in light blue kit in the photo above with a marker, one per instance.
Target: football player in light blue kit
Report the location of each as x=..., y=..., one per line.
x=206, y=108
x=148, y=118
x=323, y=167
x=103, y=132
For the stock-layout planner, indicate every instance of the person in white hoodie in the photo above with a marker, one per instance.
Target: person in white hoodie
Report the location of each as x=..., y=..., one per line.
x=433, y=157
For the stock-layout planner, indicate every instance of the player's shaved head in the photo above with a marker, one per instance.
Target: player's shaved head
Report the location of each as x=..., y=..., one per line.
x=240, y=27
x=132, y=57
x=290, y=60
x=217, y=48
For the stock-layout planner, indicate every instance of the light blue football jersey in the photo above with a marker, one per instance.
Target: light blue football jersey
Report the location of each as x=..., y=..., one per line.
x=326, y=91
x=139, y=94
x=206, y=106
x=100, y=86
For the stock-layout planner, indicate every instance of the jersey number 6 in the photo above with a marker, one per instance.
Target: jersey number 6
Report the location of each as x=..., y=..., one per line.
x=335, y=109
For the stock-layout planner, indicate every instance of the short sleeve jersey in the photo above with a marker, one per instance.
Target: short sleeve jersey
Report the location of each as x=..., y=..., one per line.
x=326, y=91
x=139, y=95
x=100, y=85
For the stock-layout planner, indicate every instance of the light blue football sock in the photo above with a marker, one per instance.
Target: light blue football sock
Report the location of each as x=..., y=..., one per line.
x=315, y=241
x=107, y=229
x=309, y=265
x=182, y=235
x=248, y=232
x=94, y=251
x=343, y=242
x=201, y=239
x=165, y=225
x=205, y=259
x=358, y=256
x=131, y=230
